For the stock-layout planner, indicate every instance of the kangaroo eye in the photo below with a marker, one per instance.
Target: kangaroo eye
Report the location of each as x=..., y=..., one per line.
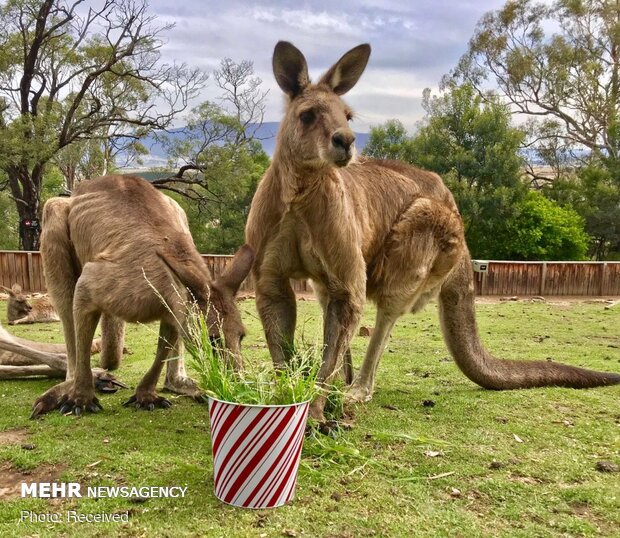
x=307, y=117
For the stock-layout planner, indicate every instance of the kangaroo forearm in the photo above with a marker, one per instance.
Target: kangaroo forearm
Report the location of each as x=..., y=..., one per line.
x=278, y=313
x=341, y=319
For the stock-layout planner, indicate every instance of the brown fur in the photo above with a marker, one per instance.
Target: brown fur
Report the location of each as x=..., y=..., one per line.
x=105, y=251
x=373, y=229
x=19, y=309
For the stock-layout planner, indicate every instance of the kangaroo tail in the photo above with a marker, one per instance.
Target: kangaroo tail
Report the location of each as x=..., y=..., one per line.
x=457, y=313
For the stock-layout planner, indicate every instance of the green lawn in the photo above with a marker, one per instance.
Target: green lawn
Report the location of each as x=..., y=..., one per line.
x=381, y=478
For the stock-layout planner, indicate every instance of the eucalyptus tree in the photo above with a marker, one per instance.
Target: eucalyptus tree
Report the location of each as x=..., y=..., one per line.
x=72, y=72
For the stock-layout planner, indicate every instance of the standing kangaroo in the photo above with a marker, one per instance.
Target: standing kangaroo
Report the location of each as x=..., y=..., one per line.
x=365, y=229
x=121, y=248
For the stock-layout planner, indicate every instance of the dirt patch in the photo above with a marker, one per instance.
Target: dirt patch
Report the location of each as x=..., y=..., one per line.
x=11, y=479
x=529, y=480
x=16, y=436
x=584, y=510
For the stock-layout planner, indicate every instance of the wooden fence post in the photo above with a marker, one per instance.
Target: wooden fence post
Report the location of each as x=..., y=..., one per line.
x=31, y=286
x=543, y=277
x=603, y=276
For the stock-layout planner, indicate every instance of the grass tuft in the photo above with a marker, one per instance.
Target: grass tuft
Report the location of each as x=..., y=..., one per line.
x=258, y=384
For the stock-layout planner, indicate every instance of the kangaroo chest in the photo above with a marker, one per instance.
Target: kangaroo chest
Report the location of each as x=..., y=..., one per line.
x=327, y=252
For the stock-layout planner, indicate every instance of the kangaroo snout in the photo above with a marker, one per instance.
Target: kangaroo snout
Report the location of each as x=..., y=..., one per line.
x=342, y=146
x=343, y=139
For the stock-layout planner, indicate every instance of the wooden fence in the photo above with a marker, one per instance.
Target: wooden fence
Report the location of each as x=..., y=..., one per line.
x=26, y=269
x=218, y=262
x=503, y=278
x=590, y=279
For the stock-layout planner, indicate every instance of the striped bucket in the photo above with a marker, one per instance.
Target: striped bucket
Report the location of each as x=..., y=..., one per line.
x=256, y=452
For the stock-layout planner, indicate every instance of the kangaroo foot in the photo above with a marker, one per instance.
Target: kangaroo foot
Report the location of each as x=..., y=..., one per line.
x=358, y=393
x=106, y=383
x=147, y=401
x=184, y=385
x=316, y=410
x=64, y=397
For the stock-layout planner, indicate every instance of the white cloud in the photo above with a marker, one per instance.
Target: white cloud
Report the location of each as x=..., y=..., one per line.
x=414, y=43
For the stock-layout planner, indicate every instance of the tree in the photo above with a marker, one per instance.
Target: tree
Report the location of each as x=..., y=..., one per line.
x=219, y=226
x=9, y=234
x=571, y=76
x=470, y=136
x=543, y=230
x=242, y=96
x=468, y=139
x=9, y=221
x=559, y=65
x=220, y=159
x=388, y=141
x=94, y=157
x=591, y=193
x=234, y=122
x=69, y=73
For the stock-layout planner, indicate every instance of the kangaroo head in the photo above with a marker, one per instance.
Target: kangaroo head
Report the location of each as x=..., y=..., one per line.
x=217, y=301
x=18, y=306
x=315, y=130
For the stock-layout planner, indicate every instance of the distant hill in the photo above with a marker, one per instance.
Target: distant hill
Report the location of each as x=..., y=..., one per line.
x=266, y=134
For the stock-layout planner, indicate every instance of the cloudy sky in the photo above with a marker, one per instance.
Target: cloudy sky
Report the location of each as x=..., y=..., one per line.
x=413, y=44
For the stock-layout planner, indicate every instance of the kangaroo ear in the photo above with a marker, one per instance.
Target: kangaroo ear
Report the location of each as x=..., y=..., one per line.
x=239, y=268
x=16, y=289
x=290, y=69
x=8, y=290
x=345, y=73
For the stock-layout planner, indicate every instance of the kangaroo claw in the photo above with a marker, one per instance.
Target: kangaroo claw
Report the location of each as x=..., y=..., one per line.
x=106, y=383
x=148, y=402
x=63, y=398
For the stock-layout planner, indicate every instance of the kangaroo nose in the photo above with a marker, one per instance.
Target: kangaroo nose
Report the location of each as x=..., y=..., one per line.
x=343, y=139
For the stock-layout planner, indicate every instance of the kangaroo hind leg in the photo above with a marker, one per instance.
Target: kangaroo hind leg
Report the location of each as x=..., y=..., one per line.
x=422, y=249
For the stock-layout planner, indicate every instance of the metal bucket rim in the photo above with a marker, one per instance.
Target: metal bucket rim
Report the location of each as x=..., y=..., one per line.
x=262, y=406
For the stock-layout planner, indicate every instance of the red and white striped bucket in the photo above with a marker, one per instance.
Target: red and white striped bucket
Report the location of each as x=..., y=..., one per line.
x=256, y=452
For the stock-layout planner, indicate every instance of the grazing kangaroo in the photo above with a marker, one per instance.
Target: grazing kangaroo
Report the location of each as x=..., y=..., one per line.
x=19, y=310
x=106, y=249
x=362, y=229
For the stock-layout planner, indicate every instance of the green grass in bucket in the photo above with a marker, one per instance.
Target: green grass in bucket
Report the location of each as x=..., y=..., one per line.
x=254, y=385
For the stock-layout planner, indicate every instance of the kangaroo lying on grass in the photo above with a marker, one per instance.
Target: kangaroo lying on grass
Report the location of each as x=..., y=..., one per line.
x=365, y=229
x=19, y=310
x=106, y=249
x=21, y=358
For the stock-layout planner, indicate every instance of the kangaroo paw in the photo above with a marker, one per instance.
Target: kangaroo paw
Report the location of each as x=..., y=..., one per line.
x=358, y=393
x=106, y=382
x=316, y=410
x=64, y=398
x=147, y=401
x=186, y=386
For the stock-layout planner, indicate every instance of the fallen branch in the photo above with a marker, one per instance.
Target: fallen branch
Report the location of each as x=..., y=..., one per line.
x=28, y=356
x=21, y=358
x=20, y=372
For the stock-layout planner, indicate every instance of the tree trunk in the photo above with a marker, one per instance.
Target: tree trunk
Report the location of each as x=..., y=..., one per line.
x=26, y=190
